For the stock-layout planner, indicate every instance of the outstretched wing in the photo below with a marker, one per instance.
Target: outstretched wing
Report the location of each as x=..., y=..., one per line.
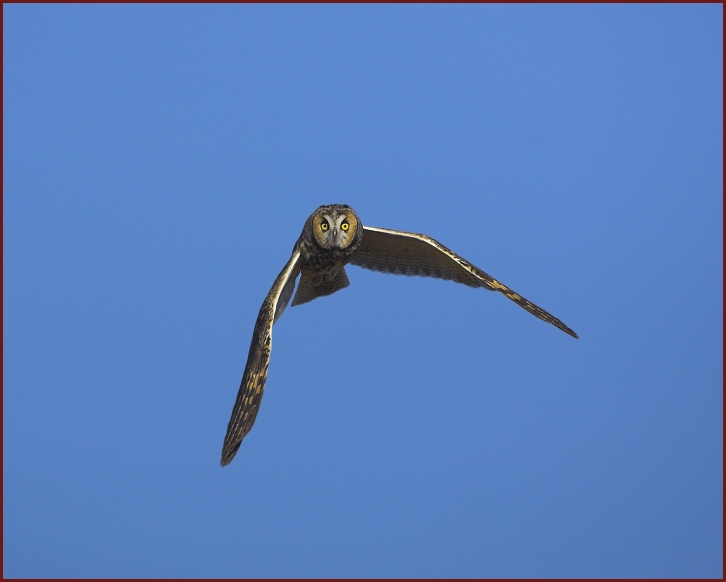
x=253, y=380
x=408, y=253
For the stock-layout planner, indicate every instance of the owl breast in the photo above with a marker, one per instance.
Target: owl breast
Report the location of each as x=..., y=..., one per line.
x=318, y=260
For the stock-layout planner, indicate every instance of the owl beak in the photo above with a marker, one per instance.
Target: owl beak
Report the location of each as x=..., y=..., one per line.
x=335, y=237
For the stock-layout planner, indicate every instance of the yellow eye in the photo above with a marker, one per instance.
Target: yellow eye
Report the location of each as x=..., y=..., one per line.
x=344, y=226
x=323, y=226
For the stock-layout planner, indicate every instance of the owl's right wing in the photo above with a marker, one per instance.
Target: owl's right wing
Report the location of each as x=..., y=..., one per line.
x=409, y=253
x=255, y=374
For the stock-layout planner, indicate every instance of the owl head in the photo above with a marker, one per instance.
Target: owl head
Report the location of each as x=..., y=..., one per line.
x=335, y=226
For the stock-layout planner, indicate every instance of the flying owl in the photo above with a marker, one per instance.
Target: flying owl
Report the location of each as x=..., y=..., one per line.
x=332, y=237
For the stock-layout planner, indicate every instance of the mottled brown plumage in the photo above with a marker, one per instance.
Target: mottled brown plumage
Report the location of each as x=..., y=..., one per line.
x=332, y=237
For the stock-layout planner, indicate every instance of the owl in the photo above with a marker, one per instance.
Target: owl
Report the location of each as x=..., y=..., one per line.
x=333, y=236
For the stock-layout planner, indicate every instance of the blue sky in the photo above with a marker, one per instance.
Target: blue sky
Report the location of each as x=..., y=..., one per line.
x=159, y=164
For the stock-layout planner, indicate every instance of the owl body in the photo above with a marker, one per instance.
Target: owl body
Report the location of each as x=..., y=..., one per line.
x=333, y=237
x=329, y=239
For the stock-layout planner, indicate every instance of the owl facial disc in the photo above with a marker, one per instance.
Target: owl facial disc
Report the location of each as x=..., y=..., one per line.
x=335, y=226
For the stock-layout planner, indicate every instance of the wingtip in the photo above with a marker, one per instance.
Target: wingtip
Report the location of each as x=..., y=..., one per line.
x=228, y=453
x=227, y=457
x=571, y=332
x=560, y=325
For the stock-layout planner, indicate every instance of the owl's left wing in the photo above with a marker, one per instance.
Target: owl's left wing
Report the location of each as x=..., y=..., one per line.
x=255, y=374
x=409, y=253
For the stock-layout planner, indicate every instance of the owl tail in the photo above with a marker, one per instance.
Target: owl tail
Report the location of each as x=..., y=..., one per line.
x=306, y=291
